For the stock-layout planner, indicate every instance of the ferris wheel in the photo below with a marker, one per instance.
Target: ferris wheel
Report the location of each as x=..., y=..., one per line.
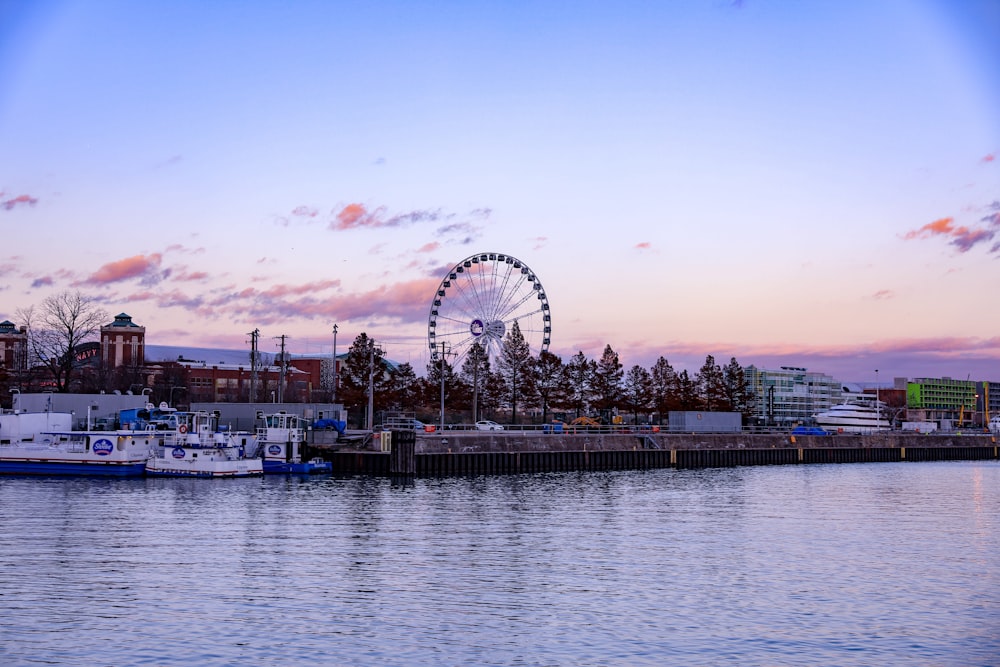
x=479, y=300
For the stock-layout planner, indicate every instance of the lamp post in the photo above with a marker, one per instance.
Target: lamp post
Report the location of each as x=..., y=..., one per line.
x=333, y=395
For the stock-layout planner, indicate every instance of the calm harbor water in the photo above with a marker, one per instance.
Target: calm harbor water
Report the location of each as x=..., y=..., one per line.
x=870, y=564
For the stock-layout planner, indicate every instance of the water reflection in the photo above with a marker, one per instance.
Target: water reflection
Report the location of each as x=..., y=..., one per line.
x=789, y=565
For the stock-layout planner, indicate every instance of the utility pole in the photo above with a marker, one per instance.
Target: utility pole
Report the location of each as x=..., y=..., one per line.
x=281, y=381
x=333, y=393
x=371, y=384
x=254, y=363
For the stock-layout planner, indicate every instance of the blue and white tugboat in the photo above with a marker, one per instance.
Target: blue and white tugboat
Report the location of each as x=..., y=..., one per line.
x=44, y=443
x=190, y=444
x=279, y=439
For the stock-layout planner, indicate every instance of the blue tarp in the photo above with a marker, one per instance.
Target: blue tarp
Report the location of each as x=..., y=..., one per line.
x=809, y=430
x=334, y=424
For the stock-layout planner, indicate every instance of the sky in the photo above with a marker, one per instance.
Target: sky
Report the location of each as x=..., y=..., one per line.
x=810, y=184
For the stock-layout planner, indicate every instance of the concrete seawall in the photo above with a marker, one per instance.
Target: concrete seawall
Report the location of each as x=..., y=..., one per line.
x=463, y=453
x=471, y=441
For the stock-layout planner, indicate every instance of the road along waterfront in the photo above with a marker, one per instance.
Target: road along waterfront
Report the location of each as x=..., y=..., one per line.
x=887, y=564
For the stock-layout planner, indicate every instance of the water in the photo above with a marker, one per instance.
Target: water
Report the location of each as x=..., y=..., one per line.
x=880, y=564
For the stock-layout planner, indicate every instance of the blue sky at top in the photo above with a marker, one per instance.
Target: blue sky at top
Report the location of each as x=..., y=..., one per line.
x=811, y=184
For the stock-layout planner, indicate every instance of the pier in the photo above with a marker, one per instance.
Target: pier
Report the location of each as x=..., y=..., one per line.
x=476, y=453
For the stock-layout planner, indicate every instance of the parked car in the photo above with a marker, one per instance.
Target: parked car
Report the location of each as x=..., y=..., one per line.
x=487, y=425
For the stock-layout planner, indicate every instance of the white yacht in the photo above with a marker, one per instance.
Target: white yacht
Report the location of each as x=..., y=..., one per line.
x=995, y=424
x=853, y=417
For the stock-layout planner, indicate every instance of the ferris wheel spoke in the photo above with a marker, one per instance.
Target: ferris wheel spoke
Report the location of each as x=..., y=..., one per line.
x=479, y=300
x=512, y=308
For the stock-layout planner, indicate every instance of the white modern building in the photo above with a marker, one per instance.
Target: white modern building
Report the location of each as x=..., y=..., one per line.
x=790, y=394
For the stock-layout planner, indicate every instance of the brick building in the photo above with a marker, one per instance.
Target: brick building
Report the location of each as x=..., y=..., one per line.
x=13, y=347
x=123, y=343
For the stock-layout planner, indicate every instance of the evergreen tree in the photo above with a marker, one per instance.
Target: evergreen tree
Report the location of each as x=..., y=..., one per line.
x=608, y=377
x=404, y=388
x=687, y=392
x=710, y=386
x=454, y=388
x=579, y=378
x=664, y=390
x=549, y=382
x=737, y=391
x=475, y=373
x=515, y=366
x=638, y=390
x=364, y=361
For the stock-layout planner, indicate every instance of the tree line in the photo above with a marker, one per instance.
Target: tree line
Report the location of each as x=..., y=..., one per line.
x=518, y=387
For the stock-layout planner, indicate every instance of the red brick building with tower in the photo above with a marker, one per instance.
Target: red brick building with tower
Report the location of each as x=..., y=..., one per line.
x=13, y=347
x=123, y=343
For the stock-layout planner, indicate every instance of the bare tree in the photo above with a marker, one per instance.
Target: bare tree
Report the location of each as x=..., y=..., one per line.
x=56, y=330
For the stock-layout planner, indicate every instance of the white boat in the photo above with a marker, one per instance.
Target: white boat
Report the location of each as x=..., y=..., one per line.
x=995, y=425
x=852, y=417
x=190, y=444
x=44, y=443
x=280, y=440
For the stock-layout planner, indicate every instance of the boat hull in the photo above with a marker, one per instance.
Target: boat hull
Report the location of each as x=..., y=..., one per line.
x=298, y=468
x=71, y=468
x=241, y=468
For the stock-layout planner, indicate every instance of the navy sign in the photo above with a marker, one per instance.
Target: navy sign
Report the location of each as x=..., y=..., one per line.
x=177, y=452
x=103, y=447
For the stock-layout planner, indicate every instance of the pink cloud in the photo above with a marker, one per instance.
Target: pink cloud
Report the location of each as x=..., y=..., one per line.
x=940, y=226
x=193, y=276
x=44, y=281
x=990, y=157
x=130, y=267
x=20, y=200
x=279, y=291
x=305, y=212
x=354, y=216
x=429, y=247
x=962, y=237
x=883, y=294
x=407, y=301
x=645, y=245
x=357, y=216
